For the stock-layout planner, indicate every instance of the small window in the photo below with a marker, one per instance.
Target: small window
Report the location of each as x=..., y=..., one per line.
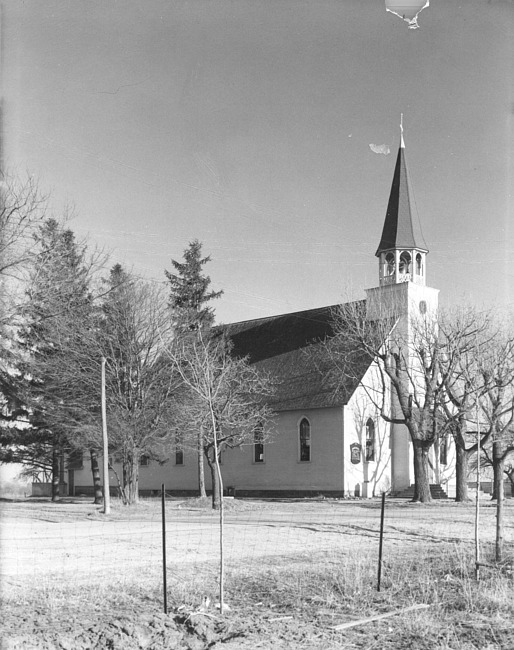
x=405, y=261
x=305, y=440
x=370, y=440
x=179, y=448
x=144, y=460
x=443, y=451
x=389, y=259
x=258, y=444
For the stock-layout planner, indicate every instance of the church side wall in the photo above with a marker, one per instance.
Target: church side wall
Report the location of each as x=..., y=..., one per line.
x=282, y=468
x=281, y=471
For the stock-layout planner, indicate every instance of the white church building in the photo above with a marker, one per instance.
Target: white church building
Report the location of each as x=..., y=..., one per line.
x=328, y=435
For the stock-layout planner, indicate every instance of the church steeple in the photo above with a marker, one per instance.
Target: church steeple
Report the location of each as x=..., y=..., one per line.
x=402, y=249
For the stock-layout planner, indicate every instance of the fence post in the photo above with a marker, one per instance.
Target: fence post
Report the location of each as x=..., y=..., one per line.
x=164, y=582
x=477, y=504
x=499, y=523
x=381, y=541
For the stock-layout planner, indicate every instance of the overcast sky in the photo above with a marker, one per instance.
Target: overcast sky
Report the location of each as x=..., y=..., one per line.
x=247, y=124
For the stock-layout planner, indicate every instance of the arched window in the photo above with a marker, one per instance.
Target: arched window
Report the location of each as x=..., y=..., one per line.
x=389, y=260
x=405, y=261
x=419, y=264
x=370, y=440
x=305, y=440
x=258, y=444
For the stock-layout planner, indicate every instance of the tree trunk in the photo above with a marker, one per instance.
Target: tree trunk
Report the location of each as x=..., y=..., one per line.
x=62, y=479
x=201, y=471
x=498, y=463
x=125, y=480
x=421, y=472
x=132, y=479
x=55, y=472
x=461, y=471
x=97, y=481
x=216, y=497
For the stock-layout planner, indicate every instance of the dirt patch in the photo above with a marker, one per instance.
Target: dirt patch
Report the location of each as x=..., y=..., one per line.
x=140, y=630
x=180, y=630
x=243, y=629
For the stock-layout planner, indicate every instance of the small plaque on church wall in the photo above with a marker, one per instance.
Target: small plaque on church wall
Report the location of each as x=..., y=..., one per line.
x=355, y=453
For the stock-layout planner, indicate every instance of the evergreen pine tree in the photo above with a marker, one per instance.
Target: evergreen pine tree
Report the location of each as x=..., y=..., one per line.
x=58, y=308
x=189, y=290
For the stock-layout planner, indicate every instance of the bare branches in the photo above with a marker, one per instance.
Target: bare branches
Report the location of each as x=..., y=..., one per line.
x=220, y=396
x=22, y=209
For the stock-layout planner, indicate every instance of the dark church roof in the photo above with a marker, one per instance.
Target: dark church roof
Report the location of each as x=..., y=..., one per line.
x=269, y=337
x=401, y=226
x=291, y=349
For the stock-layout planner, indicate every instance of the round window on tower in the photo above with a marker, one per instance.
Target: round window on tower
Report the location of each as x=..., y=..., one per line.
x=423, y=307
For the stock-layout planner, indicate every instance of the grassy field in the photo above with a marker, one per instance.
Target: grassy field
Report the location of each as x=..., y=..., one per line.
x=72, y=578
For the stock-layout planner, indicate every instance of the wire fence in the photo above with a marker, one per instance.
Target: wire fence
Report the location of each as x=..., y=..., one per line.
x=74, y=544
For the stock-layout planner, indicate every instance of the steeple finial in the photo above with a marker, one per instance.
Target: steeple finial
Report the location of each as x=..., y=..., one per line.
x=402, y=143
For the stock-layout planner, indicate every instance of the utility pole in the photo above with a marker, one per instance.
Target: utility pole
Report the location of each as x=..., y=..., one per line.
x=107, y=495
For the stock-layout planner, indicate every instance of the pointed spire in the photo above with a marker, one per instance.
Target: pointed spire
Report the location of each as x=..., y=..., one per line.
x=401, y=225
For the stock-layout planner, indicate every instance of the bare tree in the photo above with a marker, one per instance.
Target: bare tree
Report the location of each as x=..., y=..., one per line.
x=221, y=396
x=480, y=383
x=134, y=332
x=22, y=211
x=131, y=330
x=468, y=336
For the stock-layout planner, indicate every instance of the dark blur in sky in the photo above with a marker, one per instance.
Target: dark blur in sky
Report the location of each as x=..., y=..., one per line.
x=247, y=124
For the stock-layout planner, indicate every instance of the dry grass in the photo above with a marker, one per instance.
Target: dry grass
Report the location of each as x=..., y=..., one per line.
x=316, y=594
